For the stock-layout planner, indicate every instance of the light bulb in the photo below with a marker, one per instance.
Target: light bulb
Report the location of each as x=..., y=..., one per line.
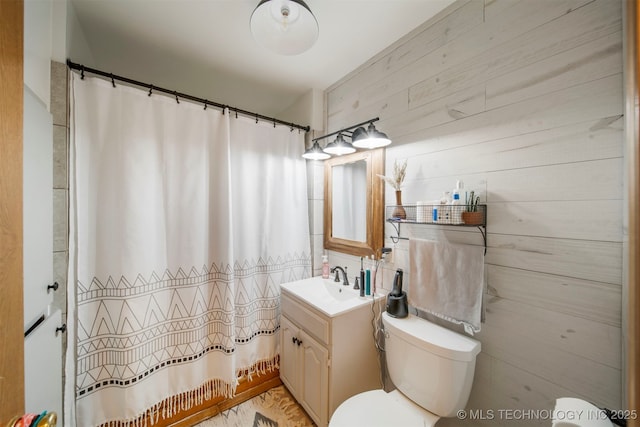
x=285, y=26
x=284, y=14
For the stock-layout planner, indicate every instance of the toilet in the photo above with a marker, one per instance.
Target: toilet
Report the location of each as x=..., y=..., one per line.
x=432, y=369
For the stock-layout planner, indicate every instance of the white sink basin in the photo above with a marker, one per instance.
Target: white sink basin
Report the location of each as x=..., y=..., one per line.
x=332, y=298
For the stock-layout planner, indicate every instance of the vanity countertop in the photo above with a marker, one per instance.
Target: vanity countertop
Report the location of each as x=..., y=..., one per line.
x=331, y=298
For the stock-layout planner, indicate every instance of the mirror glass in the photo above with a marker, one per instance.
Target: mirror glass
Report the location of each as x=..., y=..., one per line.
x=349, y=193
x=354, y=203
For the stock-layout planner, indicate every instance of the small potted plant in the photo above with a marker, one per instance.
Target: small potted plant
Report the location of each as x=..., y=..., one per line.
x=472, y=216
x=399, y=173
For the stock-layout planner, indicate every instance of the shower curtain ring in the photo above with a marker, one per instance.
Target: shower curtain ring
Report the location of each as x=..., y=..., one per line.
x=112, y=81
x=176, y=95
x=150, y=90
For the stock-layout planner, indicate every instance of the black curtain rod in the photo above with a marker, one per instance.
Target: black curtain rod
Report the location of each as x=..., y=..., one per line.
x=178, y=95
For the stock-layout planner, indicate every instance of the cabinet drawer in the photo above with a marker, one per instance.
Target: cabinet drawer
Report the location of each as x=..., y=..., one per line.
x=305, y=319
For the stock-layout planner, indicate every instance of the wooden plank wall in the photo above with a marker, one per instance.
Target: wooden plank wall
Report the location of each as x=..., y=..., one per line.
x=523, y=101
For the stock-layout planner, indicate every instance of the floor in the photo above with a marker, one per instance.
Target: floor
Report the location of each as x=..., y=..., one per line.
x=273, y=408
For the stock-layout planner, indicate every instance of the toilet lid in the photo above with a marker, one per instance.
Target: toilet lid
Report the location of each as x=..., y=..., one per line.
x=377, y=408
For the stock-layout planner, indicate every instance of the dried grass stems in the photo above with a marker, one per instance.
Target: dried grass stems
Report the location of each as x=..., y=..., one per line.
x=399, y=173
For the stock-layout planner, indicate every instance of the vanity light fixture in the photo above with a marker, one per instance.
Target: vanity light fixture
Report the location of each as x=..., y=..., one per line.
x=287, y=27
x=315, y=153
x=360, y=137
x=339, y=146
x=371, y=138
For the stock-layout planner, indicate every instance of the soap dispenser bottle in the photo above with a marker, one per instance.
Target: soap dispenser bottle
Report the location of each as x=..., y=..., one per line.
x=456, y=211
x=325, y=266
x=456, y=199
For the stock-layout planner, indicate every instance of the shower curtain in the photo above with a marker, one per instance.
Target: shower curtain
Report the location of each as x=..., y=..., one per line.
x=183, y=223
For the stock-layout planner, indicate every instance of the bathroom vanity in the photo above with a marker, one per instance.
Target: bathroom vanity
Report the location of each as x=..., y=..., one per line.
x=327, y=351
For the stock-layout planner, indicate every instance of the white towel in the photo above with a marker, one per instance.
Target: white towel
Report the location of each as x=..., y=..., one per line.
x=447, y=280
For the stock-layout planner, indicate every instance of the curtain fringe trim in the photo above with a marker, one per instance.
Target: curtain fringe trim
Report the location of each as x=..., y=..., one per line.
x=187, y=400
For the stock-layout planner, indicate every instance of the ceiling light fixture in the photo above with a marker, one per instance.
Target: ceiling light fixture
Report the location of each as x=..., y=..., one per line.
x=287, y=27
x=360, y=137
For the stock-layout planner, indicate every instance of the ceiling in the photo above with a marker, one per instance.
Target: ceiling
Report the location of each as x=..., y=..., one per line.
x=205, y=47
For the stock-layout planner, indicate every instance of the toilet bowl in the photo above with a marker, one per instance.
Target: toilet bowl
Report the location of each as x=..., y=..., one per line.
x=377, y=408
x=572, y=412
x=432, y=369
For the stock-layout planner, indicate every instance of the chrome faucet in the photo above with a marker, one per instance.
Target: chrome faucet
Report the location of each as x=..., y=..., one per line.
x=345, y=279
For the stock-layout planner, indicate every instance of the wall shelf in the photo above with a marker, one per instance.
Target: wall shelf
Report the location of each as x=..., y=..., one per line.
x=446, y=215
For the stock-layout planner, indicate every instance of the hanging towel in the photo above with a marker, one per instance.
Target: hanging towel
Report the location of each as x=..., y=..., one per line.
x=447, y=281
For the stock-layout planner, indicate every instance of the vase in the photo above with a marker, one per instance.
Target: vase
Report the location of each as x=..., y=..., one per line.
x=399, y=211
x=473, y=218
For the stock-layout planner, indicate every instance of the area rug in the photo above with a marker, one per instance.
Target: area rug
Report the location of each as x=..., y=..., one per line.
x=273, y=408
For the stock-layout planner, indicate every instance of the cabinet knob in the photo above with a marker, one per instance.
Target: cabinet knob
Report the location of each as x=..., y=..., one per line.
x=294, y=340
x=62, y=328
x=299, y=342
x=54, y=287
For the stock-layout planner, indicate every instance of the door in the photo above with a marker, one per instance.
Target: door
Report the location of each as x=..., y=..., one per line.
x=11, y=304
x=289, y=356
x=314, y=378
x=43, y=346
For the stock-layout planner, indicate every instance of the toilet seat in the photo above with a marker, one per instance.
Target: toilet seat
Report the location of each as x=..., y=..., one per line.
x=376, y=408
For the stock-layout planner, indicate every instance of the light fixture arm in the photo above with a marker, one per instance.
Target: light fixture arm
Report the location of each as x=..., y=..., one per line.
x=347, y=129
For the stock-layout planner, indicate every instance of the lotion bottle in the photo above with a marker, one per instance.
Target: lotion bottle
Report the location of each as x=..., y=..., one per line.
x=456, y=211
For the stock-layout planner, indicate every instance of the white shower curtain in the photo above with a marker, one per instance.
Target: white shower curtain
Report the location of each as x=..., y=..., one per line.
x=184, y=221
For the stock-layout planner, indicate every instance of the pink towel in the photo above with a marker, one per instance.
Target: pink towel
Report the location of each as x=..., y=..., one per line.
x=447, y=280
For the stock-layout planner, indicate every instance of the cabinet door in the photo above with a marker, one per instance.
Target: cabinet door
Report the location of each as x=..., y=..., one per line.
x=315, y=378
x=289, y=366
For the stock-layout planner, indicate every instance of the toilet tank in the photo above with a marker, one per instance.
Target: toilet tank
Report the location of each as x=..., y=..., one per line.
x=429, y=364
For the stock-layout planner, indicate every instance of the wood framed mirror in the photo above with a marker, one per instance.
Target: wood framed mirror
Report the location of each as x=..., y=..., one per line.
x=354, y=203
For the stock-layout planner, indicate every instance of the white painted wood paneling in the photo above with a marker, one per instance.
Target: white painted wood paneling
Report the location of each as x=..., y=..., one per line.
x=590, y=101
x=587, y=140
x=585, y=63
x=559, y=348
x=595, y=180
x=522, y=100
x=588, y=220
x=577, y=297
x=581, y=259
x=464, y=16
x=516, y=47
